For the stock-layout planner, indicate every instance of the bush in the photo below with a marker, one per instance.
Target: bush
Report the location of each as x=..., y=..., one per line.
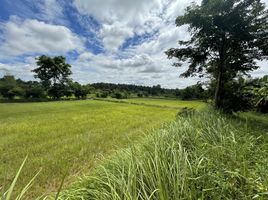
x=236, y=97
x=104, y=95
x=140, y=95
x=120, y=95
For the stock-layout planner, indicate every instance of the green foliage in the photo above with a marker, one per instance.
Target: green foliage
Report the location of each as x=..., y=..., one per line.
x=120, y=95
x=193, y=92
x=54, y=74
x=104, y=94
x=201, y=156
x=52, y=70
x=9, y=87
x=236, y=96
x=128, y=90
x=260, y=92
x=227, y=37
x=34, y=90
x=80, y=91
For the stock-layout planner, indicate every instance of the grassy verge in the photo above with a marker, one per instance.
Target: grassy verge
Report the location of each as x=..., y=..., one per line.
x=200, y=156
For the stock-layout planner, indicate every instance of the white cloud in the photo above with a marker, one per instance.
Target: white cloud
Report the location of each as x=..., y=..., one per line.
x=145, y=63
x=51, y=11
x=141, y=63
x=114, y=35
x=19, y=69
x=122, y=19
x=127, y=11
x=101, y=61
x=33, y=36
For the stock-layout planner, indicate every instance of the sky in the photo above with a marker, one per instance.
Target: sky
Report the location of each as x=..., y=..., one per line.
x=115, y=41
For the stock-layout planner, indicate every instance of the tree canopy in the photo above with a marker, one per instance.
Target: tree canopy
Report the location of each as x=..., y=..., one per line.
x=54, y=74
x=52, y=71
x=227, y=37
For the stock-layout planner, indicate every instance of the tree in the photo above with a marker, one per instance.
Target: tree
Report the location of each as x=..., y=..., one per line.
x=193, y=92
x=54, y=74
x=227, y=37
x=9, y=87
x=34, y=90
x=80, y=91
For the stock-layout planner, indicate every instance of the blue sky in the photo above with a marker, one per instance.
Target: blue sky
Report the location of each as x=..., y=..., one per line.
x=118, y=41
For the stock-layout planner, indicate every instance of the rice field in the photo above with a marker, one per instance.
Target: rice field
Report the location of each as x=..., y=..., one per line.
x=70, y=137
x=168, y=103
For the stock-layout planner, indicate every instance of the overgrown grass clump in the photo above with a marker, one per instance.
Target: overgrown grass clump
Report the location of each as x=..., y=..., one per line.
x=200, y=156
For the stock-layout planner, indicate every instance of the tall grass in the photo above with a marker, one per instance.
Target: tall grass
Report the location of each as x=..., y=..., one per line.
x=200, y=156
x=9, y=193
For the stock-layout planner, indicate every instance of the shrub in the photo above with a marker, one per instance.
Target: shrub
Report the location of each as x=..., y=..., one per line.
x=236, y=97
x=104, y=94
x=120, y=95
x=260, y=92
x=140, y=95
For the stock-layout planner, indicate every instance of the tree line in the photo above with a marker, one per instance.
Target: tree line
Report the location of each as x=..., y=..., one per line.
x=227, y=39
x=54, y=82
x=12, y=88
x=242, y=94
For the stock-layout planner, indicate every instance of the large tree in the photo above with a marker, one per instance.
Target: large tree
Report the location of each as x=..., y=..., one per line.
x=227, y=38
x=54, y=74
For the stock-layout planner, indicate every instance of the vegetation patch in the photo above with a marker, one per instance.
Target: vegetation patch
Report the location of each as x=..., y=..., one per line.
x=67, y=137
x=200, y=156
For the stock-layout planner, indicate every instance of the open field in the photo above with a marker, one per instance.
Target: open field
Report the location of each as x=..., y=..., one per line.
x=158, y=102
x=168, y=103
x=69, y=137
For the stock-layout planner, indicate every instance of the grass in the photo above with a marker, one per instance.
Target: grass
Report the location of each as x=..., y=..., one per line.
x=168, y=103
x=68, y=138
x=157, y=102
x=203, y=156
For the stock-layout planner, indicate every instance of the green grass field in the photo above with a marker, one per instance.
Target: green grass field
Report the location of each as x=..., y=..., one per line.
x=71, y=137
x=157, y=102
x=168, y=103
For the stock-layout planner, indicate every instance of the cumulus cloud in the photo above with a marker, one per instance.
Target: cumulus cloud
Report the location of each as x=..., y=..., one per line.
x=33, y=36
x=127, y=11
x=122, y=19
x=114, y=35
x=110, y=61
x=130, y=36
x=20, y=69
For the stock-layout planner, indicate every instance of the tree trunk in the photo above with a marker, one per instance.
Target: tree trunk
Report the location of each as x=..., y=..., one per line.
x=219, y=87
x=220, y=76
